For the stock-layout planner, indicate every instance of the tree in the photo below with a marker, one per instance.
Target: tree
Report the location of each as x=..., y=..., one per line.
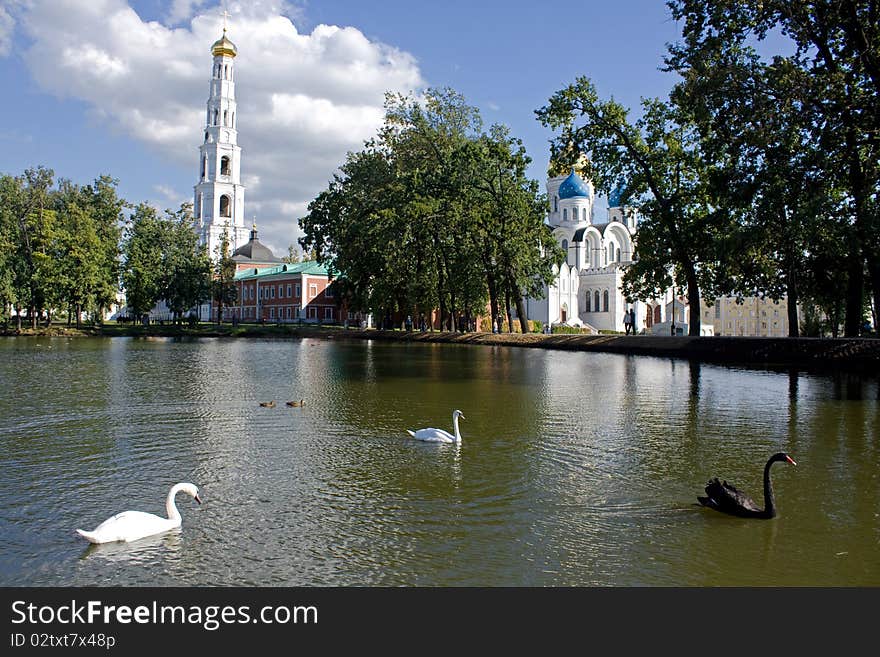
x=142, y=251
x=32, y=216
x=107, y=215
x=224, y=290
x=186, y=265
x=837, y=54
x=658, y=160
x=77, y=255
x=433, y=214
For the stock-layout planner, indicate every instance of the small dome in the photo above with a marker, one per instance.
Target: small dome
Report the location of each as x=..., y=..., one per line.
x=224, y=46
x=573, y=186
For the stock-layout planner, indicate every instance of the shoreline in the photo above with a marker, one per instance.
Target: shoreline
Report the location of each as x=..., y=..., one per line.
x=858, y=355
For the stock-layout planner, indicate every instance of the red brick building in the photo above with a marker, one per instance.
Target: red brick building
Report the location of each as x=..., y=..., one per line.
x=287, y=293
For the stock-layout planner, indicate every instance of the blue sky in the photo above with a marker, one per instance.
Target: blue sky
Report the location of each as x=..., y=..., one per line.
x=119, y=86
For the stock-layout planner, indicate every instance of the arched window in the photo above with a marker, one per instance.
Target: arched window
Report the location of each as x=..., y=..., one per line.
x=585, y=214
x=224, y=166
x=555, y=204
x=596, y=300
x=233, y=120
x=216, y=117
x=657, y=312
x=225, y=117
x=588, y=300
x=225, y=208
x=565, y=215
x=206, y=136
x=204, y=166
x=605, y=301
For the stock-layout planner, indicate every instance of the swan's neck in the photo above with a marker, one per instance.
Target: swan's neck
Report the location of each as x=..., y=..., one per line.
x=170, y=506
x=769, y=500
x=457, y=433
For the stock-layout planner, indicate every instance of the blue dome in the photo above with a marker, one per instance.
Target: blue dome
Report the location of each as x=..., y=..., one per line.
x=573, y=186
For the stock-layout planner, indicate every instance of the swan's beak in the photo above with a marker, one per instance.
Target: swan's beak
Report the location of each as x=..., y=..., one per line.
x=790, y=460
x=197, y=498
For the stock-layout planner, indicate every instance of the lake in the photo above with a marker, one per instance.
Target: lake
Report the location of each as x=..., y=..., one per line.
x=575, y=468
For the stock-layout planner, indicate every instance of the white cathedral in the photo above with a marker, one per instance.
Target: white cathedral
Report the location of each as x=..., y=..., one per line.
x=587, y=289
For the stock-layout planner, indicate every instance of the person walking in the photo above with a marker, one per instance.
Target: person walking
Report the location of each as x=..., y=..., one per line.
x=632, y=320
x=627, y=320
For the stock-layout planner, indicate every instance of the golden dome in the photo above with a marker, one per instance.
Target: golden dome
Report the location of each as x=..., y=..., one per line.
x=224, y=46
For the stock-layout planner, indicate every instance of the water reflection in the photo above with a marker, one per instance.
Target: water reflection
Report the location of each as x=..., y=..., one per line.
x=574, y=468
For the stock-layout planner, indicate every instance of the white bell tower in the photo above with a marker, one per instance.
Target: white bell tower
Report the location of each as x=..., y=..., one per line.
x=219, y=195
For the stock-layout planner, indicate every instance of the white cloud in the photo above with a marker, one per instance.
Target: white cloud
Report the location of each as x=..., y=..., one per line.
x=7, y=25
x=304, y=100
x=182, y=9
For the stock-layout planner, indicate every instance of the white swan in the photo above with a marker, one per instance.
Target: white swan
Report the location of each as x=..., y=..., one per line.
x=132, y=525
x=439, y=435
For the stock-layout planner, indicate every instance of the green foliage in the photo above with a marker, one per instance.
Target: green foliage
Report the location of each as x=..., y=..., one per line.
x=797, y=134
x=224, y=291
x=186, y=265
x=432, y=213
x=142, y=270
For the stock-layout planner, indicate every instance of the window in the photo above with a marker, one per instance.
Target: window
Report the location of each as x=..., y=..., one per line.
x=289, y=291
x=205, y=161
x=298, y=290
x=313, y=312
x=328, y=312
x=272, y=291
x=565, y=215
x=224, y=166
x=280, y=291
x=605, y=301
x=287, y=312
x=328, y=292
x=587, y=303
x=555, y=204
x=225, y=206
x=718, y=310
x=313, y=290
x=596, y=300
x=272, y=312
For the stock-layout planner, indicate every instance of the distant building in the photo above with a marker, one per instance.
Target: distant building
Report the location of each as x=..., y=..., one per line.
x=751, y=317
x=299, y=292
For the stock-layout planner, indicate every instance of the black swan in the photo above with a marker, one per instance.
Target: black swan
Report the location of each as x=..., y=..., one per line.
x=727, y=499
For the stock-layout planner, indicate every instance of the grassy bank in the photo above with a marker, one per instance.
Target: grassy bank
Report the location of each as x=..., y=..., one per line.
x=850, y=354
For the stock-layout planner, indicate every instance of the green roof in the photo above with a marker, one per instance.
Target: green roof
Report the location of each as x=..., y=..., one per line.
x=310, y=267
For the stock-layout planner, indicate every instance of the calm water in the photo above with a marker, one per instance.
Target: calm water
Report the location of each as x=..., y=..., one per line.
x=575, y=468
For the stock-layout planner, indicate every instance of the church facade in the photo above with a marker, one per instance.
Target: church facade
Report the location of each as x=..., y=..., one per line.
x=587, y=289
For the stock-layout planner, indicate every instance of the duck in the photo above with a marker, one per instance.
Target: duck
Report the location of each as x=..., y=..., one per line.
x=268, y=404
x=433, y=435
x=132, y=525
x=296, y=403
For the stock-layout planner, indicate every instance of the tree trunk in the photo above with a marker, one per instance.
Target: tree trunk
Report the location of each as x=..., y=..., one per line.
x=793, y=296
x=855, y=290
x=78, y=315
x=521, y=311
x=693, y=300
